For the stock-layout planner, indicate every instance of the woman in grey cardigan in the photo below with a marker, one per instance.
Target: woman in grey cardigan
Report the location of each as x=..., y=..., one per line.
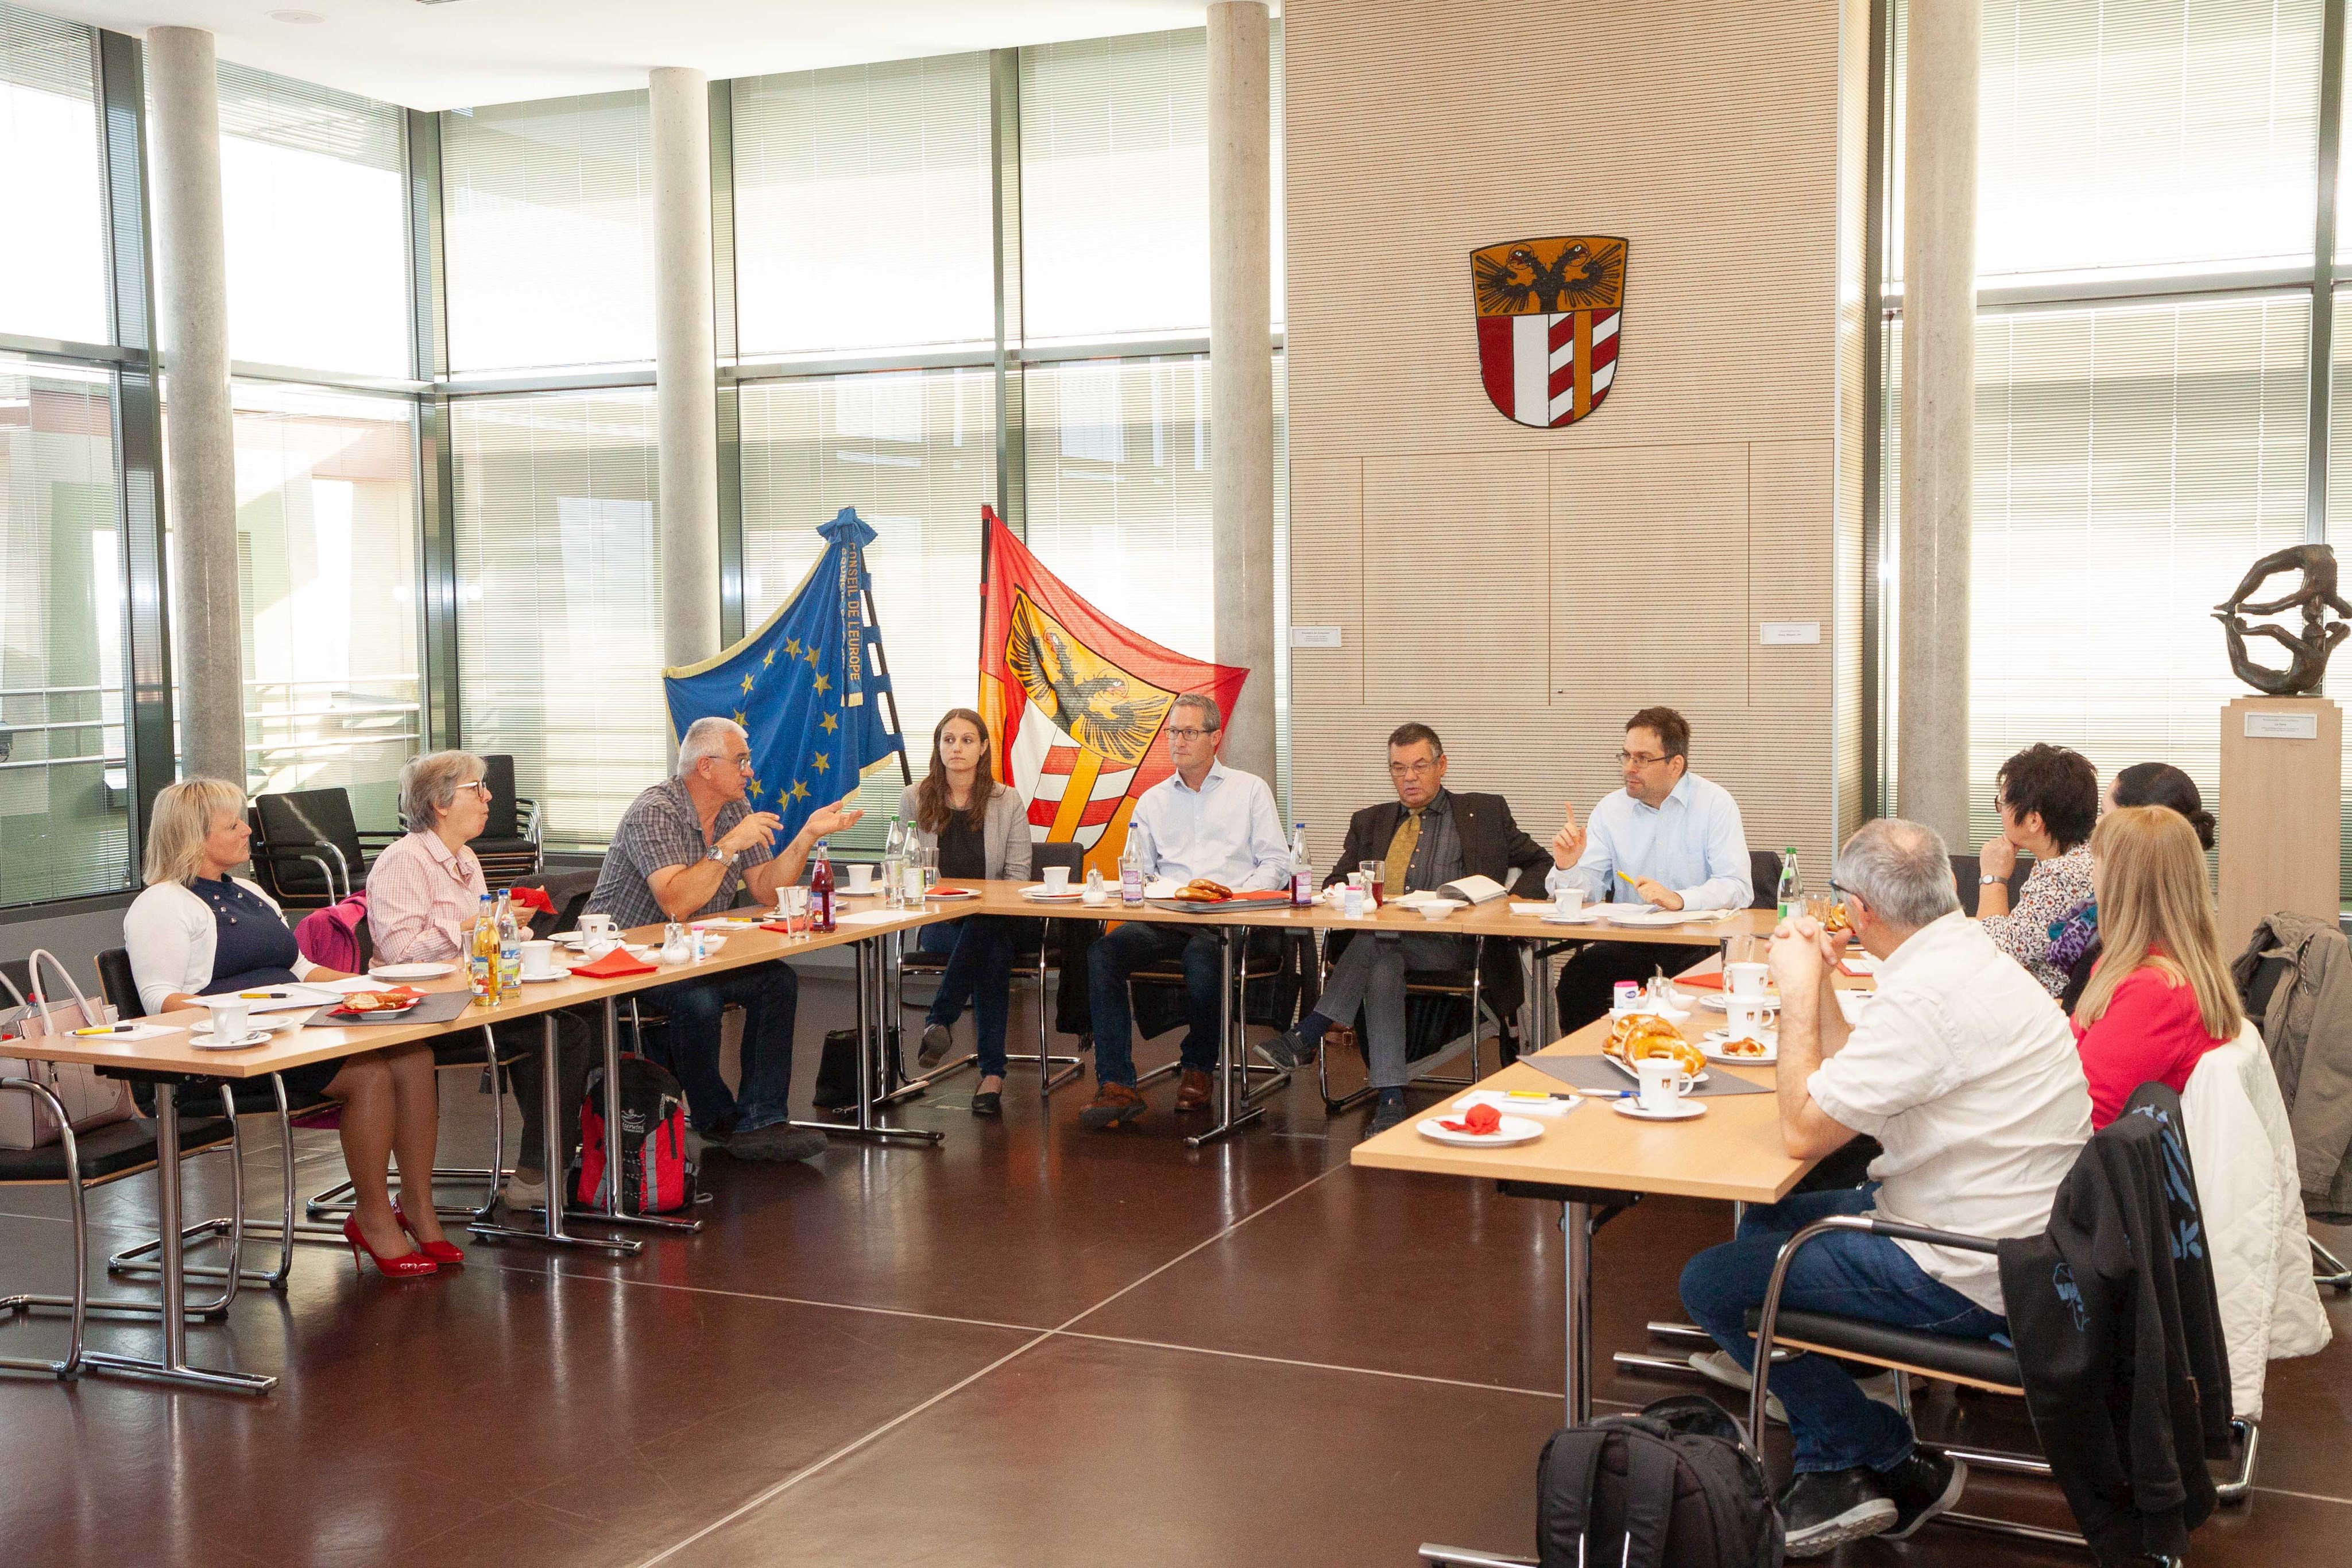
x=979, y=829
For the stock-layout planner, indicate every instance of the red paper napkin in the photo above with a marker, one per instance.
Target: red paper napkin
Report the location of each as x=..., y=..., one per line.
x=532, y=898
x=778, y=927
x=1699, y=982
x=1481, y=1119
x=613, y=966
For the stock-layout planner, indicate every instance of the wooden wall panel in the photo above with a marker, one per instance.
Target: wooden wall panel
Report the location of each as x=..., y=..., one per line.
x=1327, y=577
x=1788, y=542
x=1453, y=573
x=1649, y=574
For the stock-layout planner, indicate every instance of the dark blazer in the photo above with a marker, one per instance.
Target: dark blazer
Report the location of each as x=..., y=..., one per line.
x=1492, y=845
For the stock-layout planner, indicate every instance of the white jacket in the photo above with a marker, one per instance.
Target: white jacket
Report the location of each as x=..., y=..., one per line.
x=170, y=934
x=2244, y=1151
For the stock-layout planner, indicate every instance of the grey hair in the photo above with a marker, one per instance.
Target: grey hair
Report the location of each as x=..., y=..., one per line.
x=1206, y=706
x=428, y=783
x=1901, y=870
x=704, y=737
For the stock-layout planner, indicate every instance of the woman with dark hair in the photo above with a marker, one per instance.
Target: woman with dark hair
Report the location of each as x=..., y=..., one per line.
x=2049, y=802
x=2075, y=936
x=980, y=831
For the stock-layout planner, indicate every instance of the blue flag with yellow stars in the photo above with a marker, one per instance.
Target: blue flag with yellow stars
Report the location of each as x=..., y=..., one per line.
x=809, y=686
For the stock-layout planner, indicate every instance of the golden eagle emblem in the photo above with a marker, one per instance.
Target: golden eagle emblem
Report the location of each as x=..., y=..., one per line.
x=1093, y=701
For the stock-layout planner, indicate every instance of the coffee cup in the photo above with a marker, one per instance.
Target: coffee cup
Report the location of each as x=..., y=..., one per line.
x=1664, y=1083
x=861, y=877
x=1057, y=879
x=1745, y=979
x=1568, y=903
x=538, y=960
x=231, y=1020
x=1746, y=1015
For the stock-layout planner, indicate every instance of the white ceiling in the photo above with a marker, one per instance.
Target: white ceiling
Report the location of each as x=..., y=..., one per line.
x=469, y=52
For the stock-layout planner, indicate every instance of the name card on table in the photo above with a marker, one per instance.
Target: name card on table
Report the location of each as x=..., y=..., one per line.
x=2283, y=726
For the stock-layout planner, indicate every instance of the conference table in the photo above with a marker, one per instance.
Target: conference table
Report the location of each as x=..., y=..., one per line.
x=173, y=1060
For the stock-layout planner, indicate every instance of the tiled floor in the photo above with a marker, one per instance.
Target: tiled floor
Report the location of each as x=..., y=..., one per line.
x=1030, y=1345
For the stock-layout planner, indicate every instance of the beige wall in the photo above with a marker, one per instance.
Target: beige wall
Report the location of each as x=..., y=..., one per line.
x=1523, y=589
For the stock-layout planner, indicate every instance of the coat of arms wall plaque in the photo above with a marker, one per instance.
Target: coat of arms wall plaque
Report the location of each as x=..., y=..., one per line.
x=1551, y=313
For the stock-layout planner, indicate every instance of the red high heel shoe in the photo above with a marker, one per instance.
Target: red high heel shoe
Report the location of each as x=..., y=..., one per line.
x=448, y=1252
x=407, y=1266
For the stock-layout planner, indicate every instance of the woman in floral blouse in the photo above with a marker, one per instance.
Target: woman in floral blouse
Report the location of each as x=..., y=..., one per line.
x=2049, y=800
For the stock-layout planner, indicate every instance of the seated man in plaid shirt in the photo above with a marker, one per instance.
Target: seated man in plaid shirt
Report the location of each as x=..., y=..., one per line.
x=683, y=849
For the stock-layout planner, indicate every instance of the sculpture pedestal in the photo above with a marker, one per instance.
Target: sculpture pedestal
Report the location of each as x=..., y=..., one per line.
x=2281, y=812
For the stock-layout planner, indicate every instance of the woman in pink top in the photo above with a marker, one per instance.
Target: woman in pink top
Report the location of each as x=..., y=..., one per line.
x=2160, y=997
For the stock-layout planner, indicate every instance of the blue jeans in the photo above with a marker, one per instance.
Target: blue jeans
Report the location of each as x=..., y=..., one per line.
x=1837, y=1426
x=769, y=995
x=980, y=949
x=1139, y=945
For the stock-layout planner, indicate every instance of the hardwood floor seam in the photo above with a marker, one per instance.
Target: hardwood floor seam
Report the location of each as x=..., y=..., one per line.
x=786, y=1301
x=1552, y=1394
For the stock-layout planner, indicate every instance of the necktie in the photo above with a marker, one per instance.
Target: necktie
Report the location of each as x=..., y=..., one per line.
x=1400, y=848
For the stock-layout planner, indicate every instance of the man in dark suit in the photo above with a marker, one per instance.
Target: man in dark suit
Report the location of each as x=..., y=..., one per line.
x=1428, y=836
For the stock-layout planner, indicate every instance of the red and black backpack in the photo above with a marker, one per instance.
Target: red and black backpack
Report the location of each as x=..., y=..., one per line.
x=656, y=1175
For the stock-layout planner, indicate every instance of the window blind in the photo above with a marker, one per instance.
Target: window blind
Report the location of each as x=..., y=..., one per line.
x=53, y=257
x=2139, y=135
x=863, y=209
x=62, y=830
x=548, y=213
x=559, y=575
x=316, y=229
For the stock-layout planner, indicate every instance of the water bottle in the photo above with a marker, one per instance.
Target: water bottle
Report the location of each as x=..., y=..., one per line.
x=1130, y=871
x=482, y=955
x=894, y=866
x=820, y=889
x=1793, y=884
x=509, y=946
x=1302, y=870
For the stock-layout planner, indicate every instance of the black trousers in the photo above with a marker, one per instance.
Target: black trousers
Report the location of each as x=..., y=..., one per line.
x=1588, y=979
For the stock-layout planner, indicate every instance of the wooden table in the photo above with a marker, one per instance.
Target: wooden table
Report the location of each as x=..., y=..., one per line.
x=172, y=1059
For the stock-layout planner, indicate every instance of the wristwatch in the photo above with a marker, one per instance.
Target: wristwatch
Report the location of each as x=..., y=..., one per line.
x=1989, y=880
x=724, y=857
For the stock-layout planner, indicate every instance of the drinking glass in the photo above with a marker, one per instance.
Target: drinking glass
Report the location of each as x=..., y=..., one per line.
x=930, y=858
x=795, y=902
x=1376, y=877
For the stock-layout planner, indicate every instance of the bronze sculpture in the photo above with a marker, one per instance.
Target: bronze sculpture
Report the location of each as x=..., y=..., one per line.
x=2309, y=650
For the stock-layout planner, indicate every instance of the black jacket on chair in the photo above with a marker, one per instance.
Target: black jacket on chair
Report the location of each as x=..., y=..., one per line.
x=1492, y=846
x=2124, y=1365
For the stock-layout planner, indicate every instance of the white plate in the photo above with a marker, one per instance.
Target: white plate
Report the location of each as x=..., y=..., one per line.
x=1682, y=1112
x=204, y=1032
x=1037, y=890
x=958, y=893
x=1696, y=1077
x=556, y=973
x=1712, y=1049
x=206, y=1042
x=411, y=971
x=1513, y=1130
x=1584, y=916
x=1713, y=1001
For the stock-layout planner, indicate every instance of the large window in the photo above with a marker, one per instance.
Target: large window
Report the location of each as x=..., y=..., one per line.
x=63, y=828
x=327, y=575
x=863, y=207
x=559, y=617
x=52, y=261
x=548, y=209
x=311, y=200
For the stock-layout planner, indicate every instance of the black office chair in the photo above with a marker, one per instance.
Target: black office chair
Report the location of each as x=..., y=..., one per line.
x=1965, y=872
x=1764, y=876
x=1442, y=1005
x=508, y=847
x=308, y=848
x=1052, y=1071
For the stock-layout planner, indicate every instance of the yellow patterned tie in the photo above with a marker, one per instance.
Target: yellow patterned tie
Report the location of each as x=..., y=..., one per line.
x=1400, y=848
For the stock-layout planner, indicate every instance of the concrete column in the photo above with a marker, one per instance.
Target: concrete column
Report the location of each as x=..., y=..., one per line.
x=192, y=326
x=686, y=365
x=1940, y=369
x=1241, y=371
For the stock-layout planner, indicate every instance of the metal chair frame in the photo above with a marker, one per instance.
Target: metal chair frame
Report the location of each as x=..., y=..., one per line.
x=80, y=1304
x=339, y=1201
x=1053, y=1070
x=1425, y=1070
x=1172, y=974
x=2329, y=1270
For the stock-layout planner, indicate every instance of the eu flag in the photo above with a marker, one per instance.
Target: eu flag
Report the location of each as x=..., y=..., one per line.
x=809, y=686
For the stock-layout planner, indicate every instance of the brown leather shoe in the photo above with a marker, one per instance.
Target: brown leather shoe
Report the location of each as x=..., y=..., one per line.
x=1193, y=1089
x=1113, y=1103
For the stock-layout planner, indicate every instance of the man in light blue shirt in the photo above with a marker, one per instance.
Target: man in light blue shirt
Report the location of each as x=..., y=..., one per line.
x=1203, y=820
x=1669, y=838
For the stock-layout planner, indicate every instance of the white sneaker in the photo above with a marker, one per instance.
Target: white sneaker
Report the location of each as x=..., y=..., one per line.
x=526, y=1194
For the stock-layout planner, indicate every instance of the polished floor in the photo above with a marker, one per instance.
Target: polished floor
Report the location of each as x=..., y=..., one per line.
x=1031, y=1345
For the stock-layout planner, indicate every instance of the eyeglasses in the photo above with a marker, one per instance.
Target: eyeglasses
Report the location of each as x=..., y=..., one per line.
x=1412, y=769
x=1189, y=734
x=482, y=784
x=1637, y=759
x=742, y=764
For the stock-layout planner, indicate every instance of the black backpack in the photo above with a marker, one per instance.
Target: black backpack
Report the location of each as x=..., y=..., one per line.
x=1670, y=1488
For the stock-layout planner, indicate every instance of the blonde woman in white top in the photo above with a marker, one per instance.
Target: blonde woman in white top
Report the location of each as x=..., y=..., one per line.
x=198, y=931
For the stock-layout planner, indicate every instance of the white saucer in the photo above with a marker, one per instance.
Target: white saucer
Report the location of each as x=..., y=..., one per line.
x=1681, y=1113
x=412, y=971
x=1038, y=892
x=205, y=1042
x=1513, y=1130
x=556, y=973
x=1584, y=916
x=1713, y=1001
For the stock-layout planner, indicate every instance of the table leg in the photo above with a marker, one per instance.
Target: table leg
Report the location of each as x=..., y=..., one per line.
x=1233, y=1110
x=552, y=1160
x=1576, y=1233
x=869, y=1006
x=173, y=1366
x=890, y=999
x=608, y=1210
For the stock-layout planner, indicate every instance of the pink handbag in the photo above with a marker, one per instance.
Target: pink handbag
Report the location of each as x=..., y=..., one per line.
x=26, y=1120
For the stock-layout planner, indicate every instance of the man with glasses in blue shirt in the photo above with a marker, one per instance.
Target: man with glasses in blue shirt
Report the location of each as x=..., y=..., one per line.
x=1205, y=820
x=1669, y=838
